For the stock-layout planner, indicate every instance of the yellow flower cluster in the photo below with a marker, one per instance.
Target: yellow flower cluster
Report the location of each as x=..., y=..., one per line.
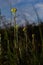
x=32, y=35
x=16, y=27
x=13, y=10
x=24, y=29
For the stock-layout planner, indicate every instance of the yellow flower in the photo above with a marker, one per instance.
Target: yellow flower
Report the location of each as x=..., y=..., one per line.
x=13, y=10
x=24, y=29
x=16, y=27
x=32, y=35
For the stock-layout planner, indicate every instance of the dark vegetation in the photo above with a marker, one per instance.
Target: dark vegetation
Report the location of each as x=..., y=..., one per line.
x=28, y=49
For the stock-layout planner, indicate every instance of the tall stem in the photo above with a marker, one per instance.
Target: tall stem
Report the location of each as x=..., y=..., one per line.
x=15, y=30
